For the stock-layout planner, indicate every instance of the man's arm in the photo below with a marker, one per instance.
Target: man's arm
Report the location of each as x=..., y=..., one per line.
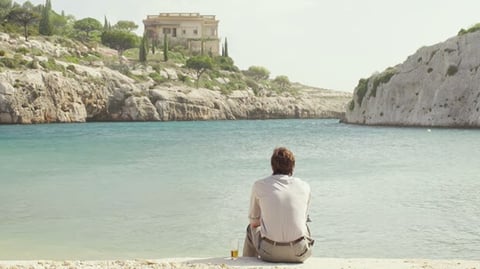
x=254, y=212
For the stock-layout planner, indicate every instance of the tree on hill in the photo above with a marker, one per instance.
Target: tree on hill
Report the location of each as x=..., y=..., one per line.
x=283, y=82
x=62, y=24
x=106, y=24
x=153, y=37
x=165, y=48
x=24, y=17
x=258, y=72
x=225, y=48
x=87, y=26
x=45, y=26
x=128, y=26
x=142, y=53
x=119, y=40
x=5, y=7
x=28, y=5
x=225, y=63
x=200, y=64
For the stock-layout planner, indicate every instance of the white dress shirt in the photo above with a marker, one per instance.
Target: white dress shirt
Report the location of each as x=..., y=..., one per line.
x=281, y=203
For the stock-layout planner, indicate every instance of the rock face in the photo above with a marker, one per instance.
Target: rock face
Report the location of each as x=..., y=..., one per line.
x=94, y=92
x=437, y=86
x=36, y=96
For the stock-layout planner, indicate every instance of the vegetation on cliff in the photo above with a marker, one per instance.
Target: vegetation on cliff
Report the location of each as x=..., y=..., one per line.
x=372, y=84
x=472, y=29
x=86, y=41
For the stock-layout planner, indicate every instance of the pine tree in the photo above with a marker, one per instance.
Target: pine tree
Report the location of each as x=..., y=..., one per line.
x=142, y=54
x=165, y=47
x=45, y=26
x=225, y=48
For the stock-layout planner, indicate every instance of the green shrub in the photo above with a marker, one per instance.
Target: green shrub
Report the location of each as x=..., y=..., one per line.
x=176, y=57
x=33, y=64
x=183, y=78
x=22, y=50
x=157, y=77
x=180, y=49
x=225, y=63
x=257, y=72
x=2, y=53
x=52, y=65
x=253, y=85
x=157, y=67
x=8, y=62
x=71, y=59
x=382, y=79
x=19, y=61
x=209, y=84
x=283, y=82
x=351, y=105
x=36, y=52
x=472, y=29
x=13, y=63
x=361, y=90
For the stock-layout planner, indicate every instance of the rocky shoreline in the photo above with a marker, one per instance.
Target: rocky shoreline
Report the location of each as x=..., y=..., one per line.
x=52, y=90
x=34, y=96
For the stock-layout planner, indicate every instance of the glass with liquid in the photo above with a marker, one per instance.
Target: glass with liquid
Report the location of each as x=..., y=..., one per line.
x=234, y=249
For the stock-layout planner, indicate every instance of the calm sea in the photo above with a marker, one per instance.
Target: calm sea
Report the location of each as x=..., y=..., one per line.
x=173, y=189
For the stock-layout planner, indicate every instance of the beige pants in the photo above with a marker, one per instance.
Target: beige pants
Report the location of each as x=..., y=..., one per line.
x=254, y=246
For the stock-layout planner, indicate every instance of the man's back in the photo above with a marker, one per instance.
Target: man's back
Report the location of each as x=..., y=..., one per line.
x=284, y=202
x=278, y=229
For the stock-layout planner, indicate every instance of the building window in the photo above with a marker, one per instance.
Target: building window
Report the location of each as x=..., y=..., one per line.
x=184, y=32
x=174, y=32
x=195, y=32
x=166, y=30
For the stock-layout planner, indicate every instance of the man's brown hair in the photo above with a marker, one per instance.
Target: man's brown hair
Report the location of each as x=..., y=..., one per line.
x=282, y=161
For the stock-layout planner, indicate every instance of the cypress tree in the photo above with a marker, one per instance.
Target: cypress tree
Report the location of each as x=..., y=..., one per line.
x=142, y=54
x=154, y=45
x=105, y=24
x=165, y=48
x=225, y=48
x=45, y=26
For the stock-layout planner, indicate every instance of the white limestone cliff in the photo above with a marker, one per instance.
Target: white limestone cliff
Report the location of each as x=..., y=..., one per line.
x=90, y=91
x=439, y=86
x=36, y=96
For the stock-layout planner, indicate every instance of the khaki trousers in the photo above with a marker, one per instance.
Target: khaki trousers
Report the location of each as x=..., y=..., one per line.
x=254, y=246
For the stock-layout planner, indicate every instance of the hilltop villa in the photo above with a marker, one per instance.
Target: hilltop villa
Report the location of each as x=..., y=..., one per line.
x=190, y=30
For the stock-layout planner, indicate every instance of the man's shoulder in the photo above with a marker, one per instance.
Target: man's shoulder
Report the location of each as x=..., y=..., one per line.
x=263, y=180
x=302, y=182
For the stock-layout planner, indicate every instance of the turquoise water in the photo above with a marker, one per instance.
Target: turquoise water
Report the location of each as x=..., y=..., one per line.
x=172, y=189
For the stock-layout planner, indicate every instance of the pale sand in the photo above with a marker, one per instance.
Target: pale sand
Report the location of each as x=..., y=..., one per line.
x=251, y=263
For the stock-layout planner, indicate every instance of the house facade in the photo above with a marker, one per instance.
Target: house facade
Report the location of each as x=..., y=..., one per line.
x=191, y=30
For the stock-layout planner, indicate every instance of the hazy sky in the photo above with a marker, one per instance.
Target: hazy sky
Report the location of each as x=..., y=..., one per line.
x=328, y=44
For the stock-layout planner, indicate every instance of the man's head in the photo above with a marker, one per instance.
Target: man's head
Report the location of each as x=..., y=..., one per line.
x=282, y=161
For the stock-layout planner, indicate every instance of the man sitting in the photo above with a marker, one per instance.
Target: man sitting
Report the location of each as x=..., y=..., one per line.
x=278, y=230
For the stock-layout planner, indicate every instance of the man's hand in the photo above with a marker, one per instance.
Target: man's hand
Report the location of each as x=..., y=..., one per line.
x=254, y=223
